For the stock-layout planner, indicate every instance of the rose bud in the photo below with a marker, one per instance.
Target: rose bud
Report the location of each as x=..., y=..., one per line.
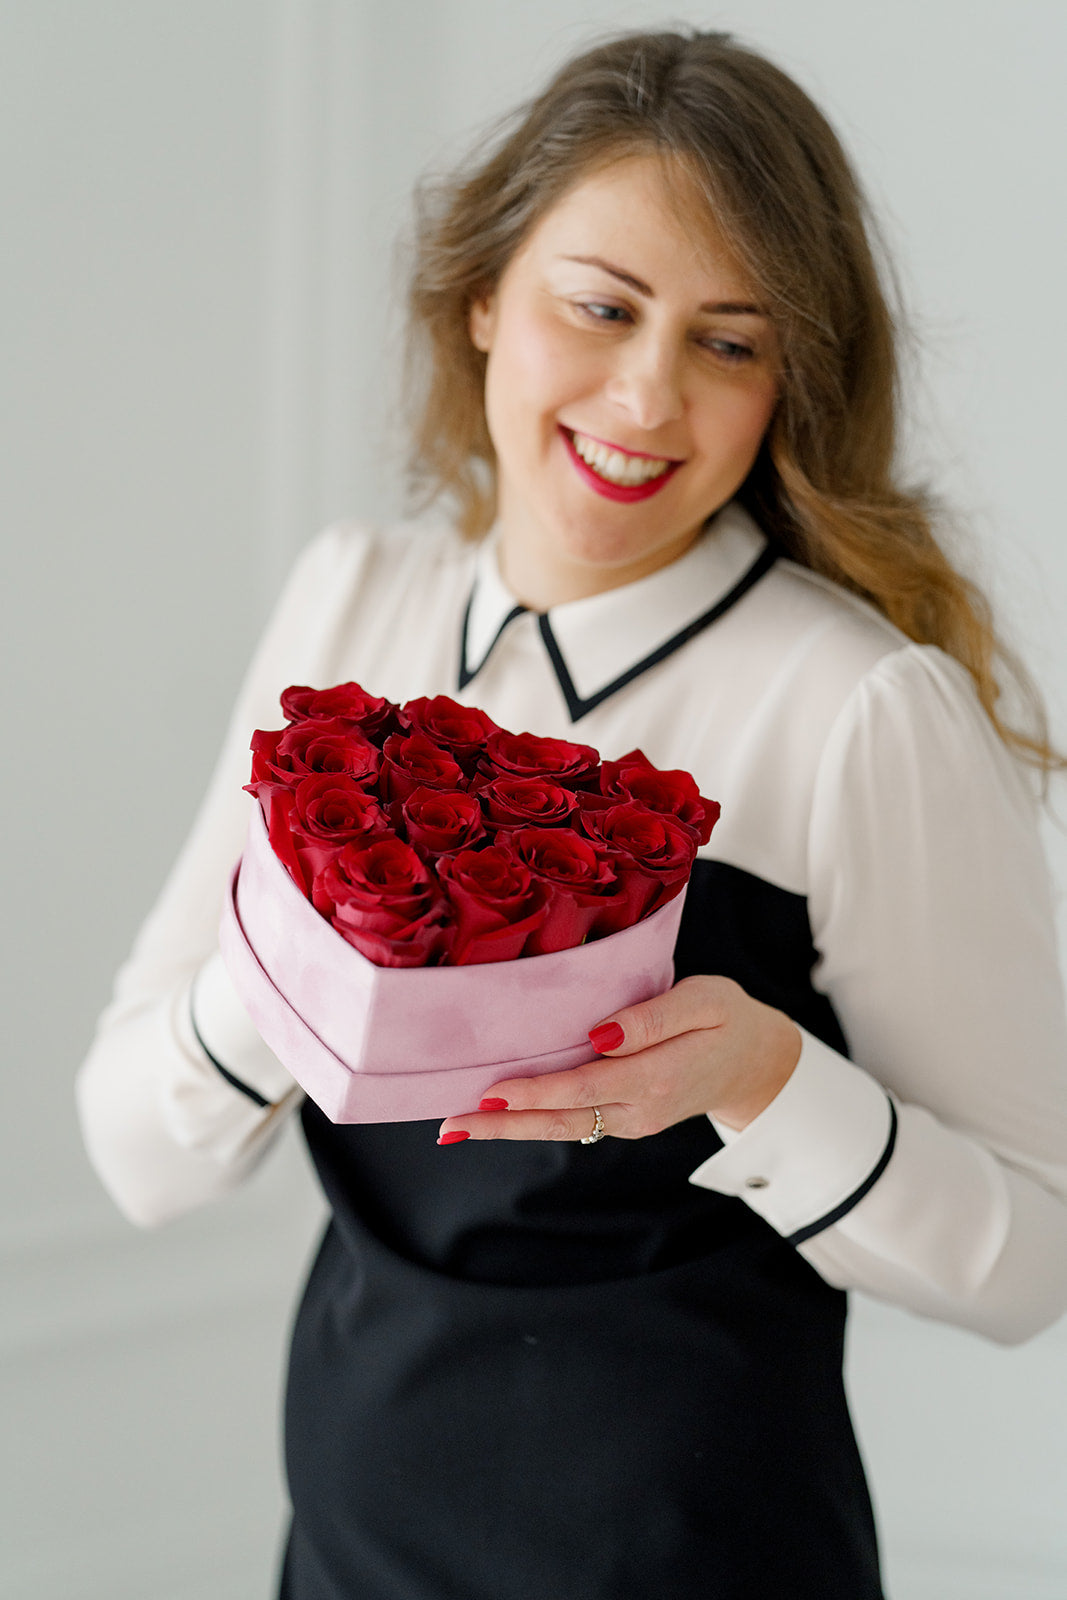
x=307, y=747
x=383, y=899
x=462, y=730
x=526, y=755
x=652, y=856
x=496, y=901
x=330, y=810
x=308, y=824
x=436, y=820
x=673, y=793
x=345, y=702
x=412, y=761
x=525, y=802
x=579, y=878
x=282, y=757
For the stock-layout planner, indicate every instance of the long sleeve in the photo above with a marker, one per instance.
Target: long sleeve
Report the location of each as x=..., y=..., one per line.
x=931, y=1170
x=165, y=1129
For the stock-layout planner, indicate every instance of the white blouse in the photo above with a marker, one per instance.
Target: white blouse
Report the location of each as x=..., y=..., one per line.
x=854, y=768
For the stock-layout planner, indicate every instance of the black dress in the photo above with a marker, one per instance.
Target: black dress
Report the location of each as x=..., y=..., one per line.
x=556, y=1372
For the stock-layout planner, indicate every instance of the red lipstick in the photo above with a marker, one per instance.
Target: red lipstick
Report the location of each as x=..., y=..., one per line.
x=624, y=492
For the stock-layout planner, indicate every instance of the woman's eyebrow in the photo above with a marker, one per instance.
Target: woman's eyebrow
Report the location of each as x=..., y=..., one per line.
x=719, y=308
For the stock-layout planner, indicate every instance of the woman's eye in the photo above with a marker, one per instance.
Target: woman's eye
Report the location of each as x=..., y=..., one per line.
x=603, y=313
x=729, y=350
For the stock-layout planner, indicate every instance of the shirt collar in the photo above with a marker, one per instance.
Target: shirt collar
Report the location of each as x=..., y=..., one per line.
x=605, y=640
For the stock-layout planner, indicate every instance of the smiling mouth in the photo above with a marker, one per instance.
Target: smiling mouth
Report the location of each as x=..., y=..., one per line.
x=620, y=467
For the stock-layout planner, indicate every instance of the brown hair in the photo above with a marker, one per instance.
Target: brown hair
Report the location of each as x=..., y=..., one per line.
x=778, y=185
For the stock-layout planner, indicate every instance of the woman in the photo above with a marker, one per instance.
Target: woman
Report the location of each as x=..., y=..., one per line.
x=587, y=1340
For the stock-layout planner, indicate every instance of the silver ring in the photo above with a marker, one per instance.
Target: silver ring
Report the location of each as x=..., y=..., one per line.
x=598, y=1128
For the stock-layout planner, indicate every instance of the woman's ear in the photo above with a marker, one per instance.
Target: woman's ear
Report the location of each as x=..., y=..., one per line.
x=482, y=321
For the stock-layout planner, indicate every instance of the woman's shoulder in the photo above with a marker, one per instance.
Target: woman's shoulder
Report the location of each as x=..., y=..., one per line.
x=350, y=551
x=850, y=661
x=810, y=611
x=843, y=655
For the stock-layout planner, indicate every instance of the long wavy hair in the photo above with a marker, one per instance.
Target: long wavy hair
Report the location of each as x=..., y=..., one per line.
x=776, y=182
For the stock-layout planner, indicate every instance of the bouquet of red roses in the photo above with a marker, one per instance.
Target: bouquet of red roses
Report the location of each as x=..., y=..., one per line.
x=425, y=836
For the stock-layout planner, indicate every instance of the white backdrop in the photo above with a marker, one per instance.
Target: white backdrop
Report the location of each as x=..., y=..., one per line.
x=199, y=199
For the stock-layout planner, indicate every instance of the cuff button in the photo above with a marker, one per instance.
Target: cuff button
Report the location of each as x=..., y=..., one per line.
x=757, y=1183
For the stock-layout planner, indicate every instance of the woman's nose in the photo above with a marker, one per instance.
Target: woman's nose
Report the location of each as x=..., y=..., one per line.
x=646, y=381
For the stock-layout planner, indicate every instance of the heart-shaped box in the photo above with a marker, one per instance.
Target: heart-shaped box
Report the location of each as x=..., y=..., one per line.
x=391, y=1044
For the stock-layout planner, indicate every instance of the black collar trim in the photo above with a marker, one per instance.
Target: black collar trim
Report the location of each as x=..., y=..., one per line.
x=465, y=673
x=578, y=707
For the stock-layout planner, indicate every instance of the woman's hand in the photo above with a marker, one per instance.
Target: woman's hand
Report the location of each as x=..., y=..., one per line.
x=703, y=1047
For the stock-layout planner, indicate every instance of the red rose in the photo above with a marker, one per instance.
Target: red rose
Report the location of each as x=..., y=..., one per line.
x=286, y=755
x=330, y=810
x=345, y=702
x=384, y=900
x=652, y=856
x=412, y=761
x=525, y=802
x=309, y=824
x=264, y=747
x=462, y=730
x=280, y=759
x=277, y=803
x=496, y=901
x=436, y=820
x=580, y=880
x=326, y=747
x=526, y=755
x=266, y=781
x=672, y=792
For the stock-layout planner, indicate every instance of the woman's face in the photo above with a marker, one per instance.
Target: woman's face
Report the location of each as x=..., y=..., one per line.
x=631, y=377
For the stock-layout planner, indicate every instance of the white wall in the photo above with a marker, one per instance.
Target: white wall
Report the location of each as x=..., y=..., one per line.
x=199, y=198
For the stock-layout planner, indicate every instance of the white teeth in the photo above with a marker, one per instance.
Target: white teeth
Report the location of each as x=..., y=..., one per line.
x=626, y=471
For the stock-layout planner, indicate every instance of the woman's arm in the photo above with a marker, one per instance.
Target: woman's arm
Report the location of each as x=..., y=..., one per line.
x=165, y=1127
x=931, y=909
x=932, y=1169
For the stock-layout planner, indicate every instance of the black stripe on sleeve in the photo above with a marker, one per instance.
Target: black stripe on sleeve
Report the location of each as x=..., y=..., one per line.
x=245, y=1088
x=857, y=1194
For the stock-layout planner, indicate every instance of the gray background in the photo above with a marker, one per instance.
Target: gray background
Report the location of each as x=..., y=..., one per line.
x=199, y=199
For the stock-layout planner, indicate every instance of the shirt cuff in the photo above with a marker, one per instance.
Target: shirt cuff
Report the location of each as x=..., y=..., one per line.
x=814, y=1152
x=228, y=1037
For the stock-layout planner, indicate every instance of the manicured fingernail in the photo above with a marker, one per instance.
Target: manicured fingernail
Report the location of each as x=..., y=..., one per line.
x=492, y=1105
x=608, y=1036
x=453, y=1138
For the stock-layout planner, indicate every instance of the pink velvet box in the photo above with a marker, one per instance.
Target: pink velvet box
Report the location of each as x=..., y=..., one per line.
x=388, y=1044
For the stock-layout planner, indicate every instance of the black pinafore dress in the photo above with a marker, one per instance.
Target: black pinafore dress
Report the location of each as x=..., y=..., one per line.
x=559, y=1372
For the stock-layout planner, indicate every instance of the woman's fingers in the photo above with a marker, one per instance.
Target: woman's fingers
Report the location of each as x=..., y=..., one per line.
x=637, y=1095
x=697, y=1002
x=556, y=1105
x=704, y=1047
x=590, y=1085
x=557, y=1126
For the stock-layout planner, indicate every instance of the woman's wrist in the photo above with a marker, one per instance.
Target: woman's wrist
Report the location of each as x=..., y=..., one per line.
x=229, y=1038
x=778, y=1047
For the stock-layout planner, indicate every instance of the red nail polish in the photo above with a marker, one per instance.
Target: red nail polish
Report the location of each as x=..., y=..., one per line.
x=608, y=1036
x=453, y=1138
x=492, y=1105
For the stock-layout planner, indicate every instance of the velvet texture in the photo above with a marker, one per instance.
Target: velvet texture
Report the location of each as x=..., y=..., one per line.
x=382, y=1044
